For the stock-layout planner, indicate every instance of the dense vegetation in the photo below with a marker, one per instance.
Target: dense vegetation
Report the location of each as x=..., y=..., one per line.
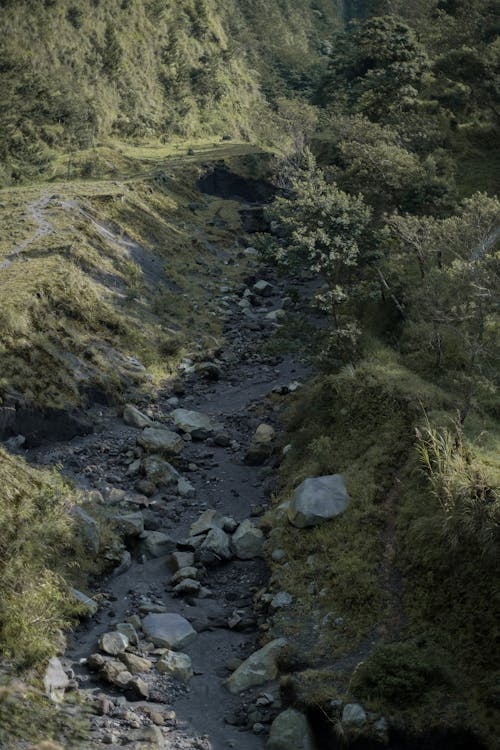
x=387, y=174
x=406, y=251
x=74, y=73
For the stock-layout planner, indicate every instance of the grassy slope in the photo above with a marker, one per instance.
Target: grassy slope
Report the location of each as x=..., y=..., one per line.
x=77, y=301
x=386, y=566
x=191, y=68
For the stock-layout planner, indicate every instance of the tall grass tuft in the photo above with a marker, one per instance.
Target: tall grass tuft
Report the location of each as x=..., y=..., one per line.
x=468, y=499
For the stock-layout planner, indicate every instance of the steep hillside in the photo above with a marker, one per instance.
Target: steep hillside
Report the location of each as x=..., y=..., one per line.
x=74, y=73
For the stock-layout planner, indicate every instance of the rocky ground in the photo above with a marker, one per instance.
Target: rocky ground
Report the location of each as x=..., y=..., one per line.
x=183, y=477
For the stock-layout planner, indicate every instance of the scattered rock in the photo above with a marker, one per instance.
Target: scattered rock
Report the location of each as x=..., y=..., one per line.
x=159, y=471
x=176, y=664
x=136, y=664
x=263, y=288
x=209, y=370
x=187, y=587
x=113, y=643
x=281, y=600
x=209, y=519
x=354, y=714
x=318, y=499
x=128, y=630
x=259, y=668
x=162, y=441
x=247, y=541
x=199, y=426
x=88, y=528
x=129, y=524
x=180, y=560
x=55, y=680
x=156, y=544
x=185, y=488
x=218, y=543
x=88, y=606
x=290, y=729
x=264, y=433
x=169, y=629
x=135, y=418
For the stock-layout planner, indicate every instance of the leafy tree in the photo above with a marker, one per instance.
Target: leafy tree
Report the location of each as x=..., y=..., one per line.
x=112, y=53
x=376, y=68
x=451, y=300
x=322, y=226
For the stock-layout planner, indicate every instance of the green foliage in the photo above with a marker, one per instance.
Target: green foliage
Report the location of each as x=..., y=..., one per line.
x=376, y=67
x=469, y=499
x=37, y=542
x=400, y=674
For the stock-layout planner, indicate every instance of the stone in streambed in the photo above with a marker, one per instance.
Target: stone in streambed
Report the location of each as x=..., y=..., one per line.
x=162, y=441
x=176, y=665
x=209, y=519
x=55, y=680
x=156, y=544
x=247, y=541
x=185, y=489
x=135, y=418
x=184, y=573
x=168, y=629
x=318, y=499
x=128, y=524
x=136, y=664
x=88, y=606
x=260, y=667
x=128, y=630
x=178, y=560
x=354, y=714
x=217, y=542
x=187, y=587
x=199, y=426
x=113, y=643
x=290, y=729
x=88, y=528
x=264, y=434
x=159, y=471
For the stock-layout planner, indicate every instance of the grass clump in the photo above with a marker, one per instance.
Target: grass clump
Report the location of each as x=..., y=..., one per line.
x=37, y=549
x=400, y=673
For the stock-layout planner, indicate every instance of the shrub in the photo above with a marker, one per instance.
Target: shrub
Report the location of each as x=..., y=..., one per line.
x=468, y=499
x=400, y=673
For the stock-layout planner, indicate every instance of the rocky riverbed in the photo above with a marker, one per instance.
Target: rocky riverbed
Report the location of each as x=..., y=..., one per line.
x=162, y=658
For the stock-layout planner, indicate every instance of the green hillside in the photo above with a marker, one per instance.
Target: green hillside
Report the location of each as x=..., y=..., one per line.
x=72, y=73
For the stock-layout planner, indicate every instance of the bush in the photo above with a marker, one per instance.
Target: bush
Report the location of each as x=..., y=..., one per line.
x=36, y=533
x=400, y=673
x=468, y=498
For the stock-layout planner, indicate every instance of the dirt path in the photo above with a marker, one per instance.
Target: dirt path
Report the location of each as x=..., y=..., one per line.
x=207, y=716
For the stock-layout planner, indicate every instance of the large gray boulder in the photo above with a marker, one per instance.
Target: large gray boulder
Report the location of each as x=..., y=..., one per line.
x=354, y=714
x=248, y=541
x=162, y=441
x=169, y=630
x=318, y=499
x=135, y=418
x=260, y=667
x=113, y=643
x=88, y=528
x=196, y=424
x=156, y=544
x=55, y=680
x=209, y=519
x=88, y=606
x=159, y=471
x=218, y=543
x=290, y=729
x=176, y=665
